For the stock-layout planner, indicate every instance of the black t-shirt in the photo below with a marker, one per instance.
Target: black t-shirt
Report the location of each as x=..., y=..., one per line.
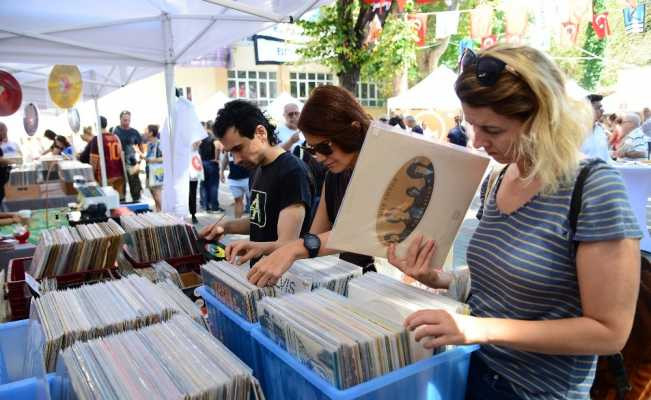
x=274, y=187
x=457, y=135
x=207, y=148
x=316, y=169
x=128, y=138
x=335, y=189
x=237, y=172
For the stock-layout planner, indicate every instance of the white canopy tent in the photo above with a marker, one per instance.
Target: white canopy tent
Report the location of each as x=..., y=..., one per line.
x=632, y=91
x=155, y=34
x=208, y=108
x=574, y=90
x=436, y=91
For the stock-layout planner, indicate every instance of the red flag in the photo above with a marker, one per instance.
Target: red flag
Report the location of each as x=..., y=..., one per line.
x=488, y=41
x=401, y=5
x=570, y=31
x=419, y=24
x=600, y=25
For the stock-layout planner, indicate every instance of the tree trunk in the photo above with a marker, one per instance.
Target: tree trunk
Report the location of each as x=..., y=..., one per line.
x=349, y=78
x=433, y=55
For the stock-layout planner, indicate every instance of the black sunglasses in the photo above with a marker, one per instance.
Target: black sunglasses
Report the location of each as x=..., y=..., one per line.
x=488, y=68
x=321, y=148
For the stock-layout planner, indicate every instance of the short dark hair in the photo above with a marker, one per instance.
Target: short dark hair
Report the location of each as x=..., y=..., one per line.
x=125, y=112
x=397, y=121
x=153, y=129
x=50, y=134
x=245, y=117
x=594, y=98
x=103, y=123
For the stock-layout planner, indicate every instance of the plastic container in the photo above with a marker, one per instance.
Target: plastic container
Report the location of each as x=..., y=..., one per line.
x=442, y=376
x=232, y=330
x=30, y=388
x=22, y=371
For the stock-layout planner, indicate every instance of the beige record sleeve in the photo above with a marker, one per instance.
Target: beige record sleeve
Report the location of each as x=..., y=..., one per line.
x=404, y=184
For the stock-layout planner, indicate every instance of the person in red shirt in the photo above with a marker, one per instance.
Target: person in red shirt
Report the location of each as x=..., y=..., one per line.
x=112, y=158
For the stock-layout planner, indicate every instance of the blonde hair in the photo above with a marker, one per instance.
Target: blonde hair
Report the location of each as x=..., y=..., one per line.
x=555, y=125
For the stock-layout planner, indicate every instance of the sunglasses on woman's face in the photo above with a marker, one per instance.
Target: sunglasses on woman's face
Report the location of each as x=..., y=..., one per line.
x=321, y=148
x=488, y=68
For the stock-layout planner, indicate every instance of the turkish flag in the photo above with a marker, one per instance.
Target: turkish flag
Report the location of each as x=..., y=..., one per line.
x=419, y=24
x=570, y=31
x=600, y=25
x=488, y=41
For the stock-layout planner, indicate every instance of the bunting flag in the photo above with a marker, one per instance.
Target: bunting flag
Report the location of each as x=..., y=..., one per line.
x=465, y=43
x=481, y=22
x=419, y=24
x=581, y=11
x=513, y=39
x=447, y=24
x=600, y=25
x=401, y=5
x=634, y=19
x=425, y=1
x=488, y=41
x=515, y=17
x=569, y=32
x=374, y=31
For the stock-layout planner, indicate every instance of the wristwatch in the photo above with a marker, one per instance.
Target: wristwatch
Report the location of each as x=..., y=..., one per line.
x=312, y=243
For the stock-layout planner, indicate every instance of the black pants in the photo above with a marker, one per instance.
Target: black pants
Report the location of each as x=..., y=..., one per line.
x=193, y=197
x=135, y=187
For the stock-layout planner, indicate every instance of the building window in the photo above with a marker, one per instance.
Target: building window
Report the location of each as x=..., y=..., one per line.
x=369, y=94
x=259, y=87
x=302, y=83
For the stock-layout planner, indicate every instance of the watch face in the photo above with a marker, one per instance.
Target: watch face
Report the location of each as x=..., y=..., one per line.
x=311, y=242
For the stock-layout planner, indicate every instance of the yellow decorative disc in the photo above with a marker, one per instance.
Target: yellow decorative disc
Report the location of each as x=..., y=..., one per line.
x=65, y=85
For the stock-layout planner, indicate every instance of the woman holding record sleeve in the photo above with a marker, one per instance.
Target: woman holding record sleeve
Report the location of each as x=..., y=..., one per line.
x=334, y=125
x=547, y=295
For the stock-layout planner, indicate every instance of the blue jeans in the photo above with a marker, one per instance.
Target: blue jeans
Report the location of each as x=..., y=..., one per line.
x=210, y=186
x=486, y=384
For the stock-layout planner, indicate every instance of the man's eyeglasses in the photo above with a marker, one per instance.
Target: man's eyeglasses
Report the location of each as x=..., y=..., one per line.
x=293, y=114
x=321, y=148
x=488, y=68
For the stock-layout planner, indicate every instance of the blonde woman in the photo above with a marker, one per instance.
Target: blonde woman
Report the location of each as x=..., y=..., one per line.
x=540, y=312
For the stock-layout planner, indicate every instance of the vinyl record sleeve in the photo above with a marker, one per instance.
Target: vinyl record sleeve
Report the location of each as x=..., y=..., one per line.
x=405, y=184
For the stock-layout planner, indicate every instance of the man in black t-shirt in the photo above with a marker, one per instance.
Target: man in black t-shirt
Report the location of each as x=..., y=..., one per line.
x=280, y=188
x=132, y=153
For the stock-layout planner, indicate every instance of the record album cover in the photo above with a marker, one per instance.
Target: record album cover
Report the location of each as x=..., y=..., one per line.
x=405, y=184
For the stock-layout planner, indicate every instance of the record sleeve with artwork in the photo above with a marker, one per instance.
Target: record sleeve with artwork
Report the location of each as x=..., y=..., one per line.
x=405, y=184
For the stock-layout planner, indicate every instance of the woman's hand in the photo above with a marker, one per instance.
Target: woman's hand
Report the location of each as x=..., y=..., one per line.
x=241, y=251
x=269, y=269
x=437, y=328
x=417, y=262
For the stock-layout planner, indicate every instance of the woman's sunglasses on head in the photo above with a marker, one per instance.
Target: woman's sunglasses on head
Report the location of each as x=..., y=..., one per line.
x=488, y=69
x=321, y=148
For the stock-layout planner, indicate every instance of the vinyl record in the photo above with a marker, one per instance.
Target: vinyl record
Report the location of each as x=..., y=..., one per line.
x=73, y=119
x=30, y=119
x=65, y=85
x=10, y=94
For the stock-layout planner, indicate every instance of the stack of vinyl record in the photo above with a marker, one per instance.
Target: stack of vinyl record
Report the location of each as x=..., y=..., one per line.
x=92, y=311
x=164, y=271
x=68, y=169
x=159, y=236
x=344, y=342
x=327, y=272
x=24, y=175
x=172, y=360
x=229, y=283
x=76, y=249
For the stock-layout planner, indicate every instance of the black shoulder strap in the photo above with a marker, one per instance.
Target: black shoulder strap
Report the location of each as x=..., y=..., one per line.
x=577, y=195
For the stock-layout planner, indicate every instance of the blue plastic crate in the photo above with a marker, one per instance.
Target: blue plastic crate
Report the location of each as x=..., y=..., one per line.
x=22, y=371
x=442, y=376
x=232, y=330
x=30, y=389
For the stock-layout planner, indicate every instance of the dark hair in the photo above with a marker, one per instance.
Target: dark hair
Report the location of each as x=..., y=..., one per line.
x=63, y=140
x=103, y=123
x=244, y=117
x=50, y=134
x=594, y=97
x=153, y=129
x=397, y=121
x=125, y=112
x=332, y=112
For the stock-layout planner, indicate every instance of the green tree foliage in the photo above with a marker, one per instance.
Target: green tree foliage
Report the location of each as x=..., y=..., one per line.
x=592, y=67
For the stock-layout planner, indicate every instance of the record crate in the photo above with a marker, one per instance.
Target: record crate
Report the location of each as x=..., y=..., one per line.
x=22, y=372
x=19, y=294
x=232, y=330
x=442, y=376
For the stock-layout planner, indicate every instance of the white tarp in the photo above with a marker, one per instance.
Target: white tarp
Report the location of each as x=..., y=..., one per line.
x=276, y=109
x=207, y=110
x=632, y=91
x=435, y=92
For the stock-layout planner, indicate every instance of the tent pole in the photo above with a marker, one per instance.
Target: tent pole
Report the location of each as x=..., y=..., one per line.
x=170, y=93
x=100, y=144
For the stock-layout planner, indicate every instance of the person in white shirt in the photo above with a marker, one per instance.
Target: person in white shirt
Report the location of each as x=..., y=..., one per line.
x=9, y=149
x=596, y=143
x=288, y=135
x=634, y=142
x=646, y=128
